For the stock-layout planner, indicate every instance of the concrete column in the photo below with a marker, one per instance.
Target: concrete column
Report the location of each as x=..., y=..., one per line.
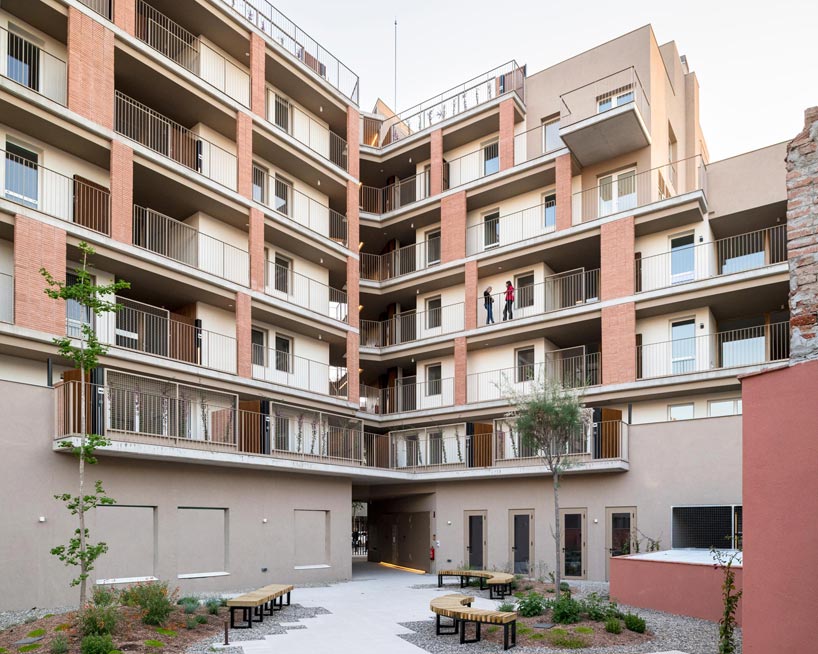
x=453, y=227
x=256, y=250
x=244, y=154
x=507, y=134
x=564, y=196
x=258, y=79
x=436, y=168
x=460, y=371
x=90, y=68
x=619, y=343
x=121, y=192
x=244, y=328
x=616, y=272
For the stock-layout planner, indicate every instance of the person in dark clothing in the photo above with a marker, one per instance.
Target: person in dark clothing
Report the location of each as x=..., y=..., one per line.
x=508, y=310
x=488, y=305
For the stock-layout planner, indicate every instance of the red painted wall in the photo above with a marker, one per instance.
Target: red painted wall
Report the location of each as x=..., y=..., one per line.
x=780, y=489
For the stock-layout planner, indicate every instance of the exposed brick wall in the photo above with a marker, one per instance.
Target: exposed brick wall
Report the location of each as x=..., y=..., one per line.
x=37, y=245
x=353, y=216
x=353, y=291
x=619, y=343
x=258, y=56
x=244, y=328
x=507, y=134
x=244, y=153
x=472, y=293
x=121, y=192
x=90, y=68
x=256, y=250
x=460, y=370
x=125, y=15
x=453, y=227
x=564, y=199
x=616, y=268
x=353, y=143
x=436, y=168
x=802, y=238
x=353, y=364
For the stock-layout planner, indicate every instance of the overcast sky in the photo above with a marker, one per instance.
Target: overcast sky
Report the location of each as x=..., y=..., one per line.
x=757, y=62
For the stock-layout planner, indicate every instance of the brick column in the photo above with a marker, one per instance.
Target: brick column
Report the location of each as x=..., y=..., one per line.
x=244, y=154
x=244, y=328
x=616, y=269
x=353, y=366
x=619, y=343
x=564, y=197
x=453, y=227
x=121, y=192
x=37, y=245
x=353, y=140
x=258, y=79
x=353, y=266
x=90, y=68
x=472, y=294
x=256, y=249
x=125, y=15
x=436, y=171
x=507, y=134
x=460, y=371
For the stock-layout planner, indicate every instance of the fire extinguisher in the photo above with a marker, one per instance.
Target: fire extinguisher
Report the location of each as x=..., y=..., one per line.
x=432, y=553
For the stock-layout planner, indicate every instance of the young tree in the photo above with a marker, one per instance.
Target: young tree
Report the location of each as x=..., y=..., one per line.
x=724, y=561
x=550, y=420
x=84, y=350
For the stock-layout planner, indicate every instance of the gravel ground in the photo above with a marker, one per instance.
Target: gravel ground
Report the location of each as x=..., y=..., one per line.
x=11, y=618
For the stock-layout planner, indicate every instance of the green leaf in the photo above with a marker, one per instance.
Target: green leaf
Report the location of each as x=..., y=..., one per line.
x=154, y=643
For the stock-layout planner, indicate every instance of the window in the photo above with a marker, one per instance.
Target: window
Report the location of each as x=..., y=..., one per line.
x=433, y=247
x=550, y=210
x=703, y=527
x=525, y=290
x=22, y=181
x=551, y=135
x=491, y=158
x=281, y=113
x=23, y=62
x=491, y=229
x=258, y=339
x=283, y=273
x=718, y=408
x=524, y=370
x=671, y=156
x=284, y=347
x=259, y=184
x=682, y=259
x=683, y=346
x=77, y=315
x=433, y=311
x=680, y=411
x=617, y=192
x=614, y=99
x=434, y=381
x=283, y=195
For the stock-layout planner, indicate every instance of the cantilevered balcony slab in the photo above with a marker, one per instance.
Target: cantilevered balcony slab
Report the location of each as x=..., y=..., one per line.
x=607, y=135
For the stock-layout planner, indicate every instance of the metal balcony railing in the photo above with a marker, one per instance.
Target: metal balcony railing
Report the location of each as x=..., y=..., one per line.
x=279, y=195
x=561, y=291
x=298, y=43
x=75, y=200
x=397, y=195
x=629, y=190
x=28, y=64
x=191, y=53
x=6, y=298
x=285, y=284
x=725, y=256
x=412, y=326
x=469, y=167
x=289, y=118
x=606, y=440
x=497, y=231
x=407, y=396
x=103, y=7
x=287, y=369
x=403, y=261
x=534, y=143
x=748, y=346
x=175, y=240
x=605, y=94
x=142, y=124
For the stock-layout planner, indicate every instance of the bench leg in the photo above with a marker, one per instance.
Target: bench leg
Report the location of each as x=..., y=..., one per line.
x=246, y=617
x=288, y=598
x=445, y=629
x=482, y=583
x=463, y=581
x=506, y=628
x=439, y=581
x=463, y=639
x=258, y=614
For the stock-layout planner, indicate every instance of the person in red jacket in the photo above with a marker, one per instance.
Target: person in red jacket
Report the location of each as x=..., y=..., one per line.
x=508, y=310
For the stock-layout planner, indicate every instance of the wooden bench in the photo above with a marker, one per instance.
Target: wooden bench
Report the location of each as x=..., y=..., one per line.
x=499, y=583
x=458, y=609
x=255, y=605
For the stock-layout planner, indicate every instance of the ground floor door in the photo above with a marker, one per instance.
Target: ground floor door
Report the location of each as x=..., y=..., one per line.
x=573, y=532
x=475, y=537
x=620, y=532
x=521, y=540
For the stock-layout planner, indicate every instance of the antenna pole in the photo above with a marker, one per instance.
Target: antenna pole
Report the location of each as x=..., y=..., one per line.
x=395, y=96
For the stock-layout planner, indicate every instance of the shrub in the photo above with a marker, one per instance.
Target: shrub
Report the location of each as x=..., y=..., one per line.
x=191, y=622
x=190, y=607
x=222, y=601
x=188, y=599
x=97, y=644
x=613, y=626
x=562, y=638
x=102, y=596
x=531, y=605
x=213, y=606
x=59, y=645
x=635, y=623
x=566, y=610
x=598, y=609
x=507, y=607
x=201, y=619
x=564, y=587
x=97, y=620
x=155, y=600
x=529, y=587
x=157, y=610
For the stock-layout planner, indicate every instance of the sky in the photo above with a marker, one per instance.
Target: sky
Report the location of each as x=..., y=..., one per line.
x=757, y=62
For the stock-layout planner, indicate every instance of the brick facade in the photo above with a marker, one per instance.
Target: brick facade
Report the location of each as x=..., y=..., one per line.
x=353, y=145
x=616, y=270
x=507, y=111
x=121, y=192
x=37, y=245
x=802, y=238
x=563, y=191
x=244, y=328
x=244, y=154
x=453, y=227
x=256, y=250
x=90, y=68
x=436, y=163
x=460, y=370
x=258, y=57
x=353, y=365
x=619, y=343
x=472, y=294
x=125, y=15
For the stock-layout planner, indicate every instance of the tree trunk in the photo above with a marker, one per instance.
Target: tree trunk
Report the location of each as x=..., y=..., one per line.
x=558, y=532
x=81, y=504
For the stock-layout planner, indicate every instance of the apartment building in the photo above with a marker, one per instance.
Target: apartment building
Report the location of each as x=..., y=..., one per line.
x=307, y=326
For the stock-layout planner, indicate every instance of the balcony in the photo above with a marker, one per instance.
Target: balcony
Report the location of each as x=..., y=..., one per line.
x=73, y=199
x=726, y=256
x=299, y=290
x=412, y=326
x=175, y=240
x=298, y=43
x=397, y=195
x=102, y=7
x=570, y=367
x=535, y=143
x=6, y=298
x=606, y=118
x=400, y=262
x=151, y=129
x=497, y=231
x=286, y=369
x=457, y=100
x=27, y=64
x=749, y=346
x=483, y=162
x=564, y=290
x=629, y=190
x=281, y=197
x=191, y=53
x=407, y=396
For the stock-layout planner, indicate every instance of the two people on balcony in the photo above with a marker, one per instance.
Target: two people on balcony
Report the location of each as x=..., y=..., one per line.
x=508, y=309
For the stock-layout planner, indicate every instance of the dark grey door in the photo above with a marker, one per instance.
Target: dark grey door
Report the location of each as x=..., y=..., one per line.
x=475, y=541
x=522, y=540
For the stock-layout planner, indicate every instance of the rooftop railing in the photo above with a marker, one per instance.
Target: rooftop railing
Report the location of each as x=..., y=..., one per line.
x=297, y=372
x=6, y=298
x=396, y=195
x=298, y=43
x=412, y=326
x=191, y=53
x=175, y=240
x=294, y=288
x=496, y=231
x=603, y=95
x=407, y=396
x=400, y=262
x=28, y=64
